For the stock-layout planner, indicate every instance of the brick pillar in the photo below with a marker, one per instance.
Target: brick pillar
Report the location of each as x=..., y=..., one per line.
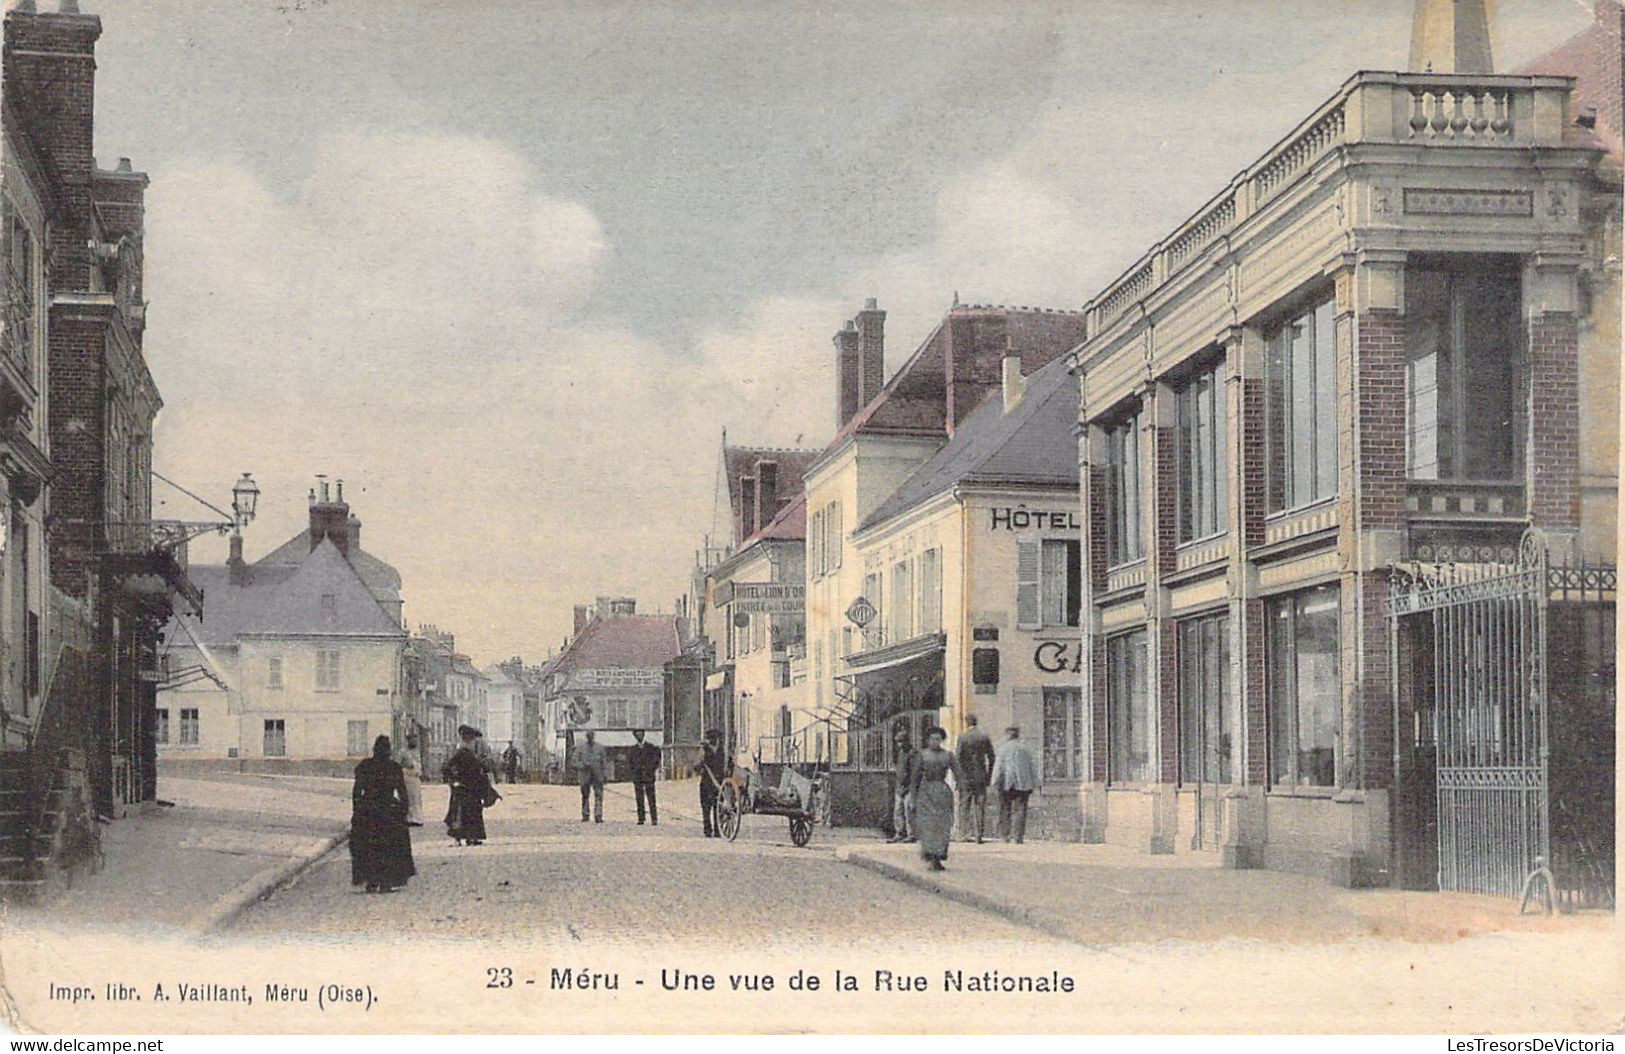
x=1372, y=536
x=1554, y=408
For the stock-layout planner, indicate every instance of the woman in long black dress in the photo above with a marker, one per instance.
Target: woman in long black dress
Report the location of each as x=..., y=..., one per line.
x=933, y=799
x=466, y=775
x=380, y=842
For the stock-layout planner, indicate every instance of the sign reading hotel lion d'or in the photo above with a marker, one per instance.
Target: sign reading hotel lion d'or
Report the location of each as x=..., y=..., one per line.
x=771, y=598
x=1021, y=518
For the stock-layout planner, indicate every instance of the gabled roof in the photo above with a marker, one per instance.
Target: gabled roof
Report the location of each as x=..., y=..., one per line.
x=290, y=600
x=1593, y=57
x=623, y=642
x=1033, y=444
x=381, y=578
x=790, y=525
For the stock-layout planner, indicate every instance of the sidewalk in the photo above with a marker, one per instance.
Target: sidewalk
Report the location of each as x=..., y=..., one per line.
x=1101, y=894
x=223, y=844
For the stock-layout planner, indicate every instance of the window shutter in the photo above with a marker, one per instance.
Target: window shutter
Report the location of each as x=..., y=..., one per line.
x=1028, y=561
x=836, y=531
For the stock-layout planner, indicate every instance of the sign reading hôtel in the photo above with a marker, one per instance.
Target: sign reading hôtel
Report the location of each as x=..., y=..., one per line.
x=770, y=598
x=1021, y=518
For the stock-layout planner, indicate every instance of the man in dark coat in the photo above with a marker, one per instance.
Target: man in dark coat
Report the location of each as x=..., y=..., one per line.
x=510, y=763
x=645, y=767
x=713, y=770
x=908, y=759
x=976, y=762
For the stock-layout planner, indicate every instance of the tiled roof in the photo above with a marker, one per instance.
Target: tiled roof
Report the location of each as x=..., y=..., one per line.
x=790, y=525
x=381, y=578
x=1031, y=444
x=289, y=600
x=623, y=642
x=963, y=351
x=1594, y=57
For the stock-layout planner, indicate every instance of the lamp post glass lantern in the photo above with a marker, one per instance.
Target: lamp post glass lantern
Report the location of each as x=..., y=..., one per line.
x=245, y=496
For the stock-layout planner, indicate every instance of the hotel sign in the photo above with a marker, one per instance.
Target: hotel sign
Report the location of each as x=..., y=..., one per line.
x=1022, y=518
x=769, y=598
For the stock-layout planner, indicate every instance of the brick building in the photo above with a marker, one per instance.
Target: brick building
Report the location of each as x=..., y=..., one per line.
x=1316, y=422
x=91, y=579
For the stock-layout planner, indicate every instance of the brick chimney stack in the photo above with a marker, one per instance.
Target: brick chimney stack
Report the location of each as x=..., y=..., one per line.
x=846, y=374
x=747, y=508
x=581, y=619
x=767, y=492
x=871, y=322
x=330, y=518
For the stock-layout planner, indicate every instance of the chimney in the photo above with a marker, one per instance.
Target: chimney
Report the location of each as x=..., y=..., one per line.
x=767, y=491
x=329, y=518
x=871, y=351
x=747, y=507
x=236, y=566
x=846, y=374
x=1451, y=36
x=352, y=530
x=581, y=619
x=1015, y=385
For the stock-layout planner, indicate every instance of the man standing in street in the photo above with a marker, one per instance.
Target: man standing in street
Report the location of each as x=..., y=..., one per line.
x=1015, y=777
x=713, y=770
x=510, y=762
x=590, y=765
x=645, y=767
x=976, y=762
x=908, y=759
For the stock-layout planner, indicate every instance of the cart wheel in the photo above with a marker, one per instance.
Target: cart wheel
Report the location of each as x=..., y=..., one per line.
x=800, y=830
x=728, y=813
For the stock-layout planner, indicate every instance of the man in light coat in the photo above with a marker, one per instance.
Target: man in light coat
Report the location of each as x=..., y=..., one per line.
x=591, y=761
x=1015, y=777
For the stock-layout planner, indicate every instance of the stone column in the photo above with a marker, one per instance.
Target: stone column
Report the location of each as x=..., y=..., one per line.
x=1159, y=447
x=1245, y=398
x=1092, y=502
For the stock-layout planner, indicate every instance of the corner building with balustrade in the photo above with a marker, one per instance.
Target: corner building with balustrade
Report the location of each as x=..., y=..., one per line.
x=1363, y=369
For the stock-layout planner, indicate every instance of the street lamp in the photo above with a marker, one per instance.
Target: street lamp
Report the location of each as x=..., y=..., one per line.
x=245, y=496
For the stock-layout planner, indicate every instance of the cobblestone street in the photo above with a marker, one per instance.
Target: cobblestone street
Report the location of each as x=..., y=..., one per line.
x=546, y=876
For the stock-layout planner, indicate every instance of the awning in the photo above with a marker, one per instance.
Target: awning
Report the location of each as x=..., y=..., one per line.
x=894, y=654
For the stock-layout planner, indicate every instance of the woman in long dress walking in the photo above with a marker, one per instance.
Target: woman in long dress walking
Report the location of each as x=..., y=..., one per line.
x=411, y=770
x=380, y=843
x=934, y=799
x=465, y=773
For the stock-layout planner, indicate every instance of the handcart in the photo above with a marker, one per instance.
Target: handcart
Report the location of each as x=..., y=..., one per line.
x=796, y=798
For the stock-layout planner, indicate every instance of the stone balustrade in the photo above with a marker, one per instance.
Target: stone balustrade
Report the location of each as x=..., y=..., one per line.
x=1469, y=111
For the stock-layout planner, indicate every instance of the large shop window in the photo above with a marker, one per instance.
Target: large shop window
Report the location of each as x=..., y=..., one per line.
x=1305, y=688
x=1203, y=468
x=1063, y=733
x=1463, y=341
x=355, y=738
x=1204, y=700
x=1301, y=370
x=161, y=727
x=189, y=726
x=1128, y=705
x=1123, y=518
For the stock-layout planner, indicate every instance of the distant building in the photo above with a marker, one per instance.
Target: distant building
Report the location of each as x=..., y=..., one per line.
x=613, y=677
x=296, y=664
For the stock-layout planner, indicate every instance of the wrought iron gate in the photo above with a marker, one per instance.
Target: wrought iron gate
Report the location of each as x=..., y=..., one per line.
x=1486, y=628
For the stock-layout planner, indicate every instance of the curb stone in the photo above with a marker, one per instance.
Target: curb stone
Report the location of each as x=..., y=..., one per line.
x=1006, y=910
x=226, y=908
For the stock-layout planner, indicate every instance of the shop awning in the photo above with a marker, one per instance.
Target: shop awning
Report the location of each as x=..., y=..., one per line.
x=618, y=737
x=894, y=654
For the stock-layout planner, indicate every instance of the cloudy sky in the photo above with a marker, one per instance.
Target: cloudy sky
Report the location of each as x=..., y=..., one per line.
x=509, y=266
